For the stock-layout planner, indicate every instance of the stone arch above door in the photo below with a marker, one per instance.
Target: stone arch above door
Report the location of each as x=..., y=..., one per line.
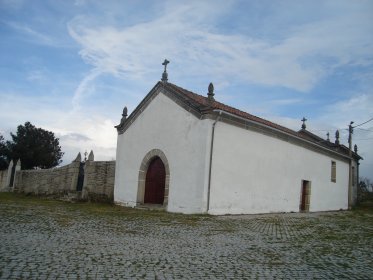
x=142, y=175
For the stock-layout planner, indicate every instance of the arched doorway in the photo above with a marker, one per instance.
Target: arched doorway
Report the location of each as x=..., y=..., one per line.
x=143, y=170
x=155, y=182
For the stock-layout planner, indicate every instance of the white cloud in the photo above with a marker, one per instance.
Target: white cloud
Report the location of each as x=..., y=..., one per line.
x=76, y=130
x=183, y=36
x=36, y=76
x=358, y=108
x=84, y=88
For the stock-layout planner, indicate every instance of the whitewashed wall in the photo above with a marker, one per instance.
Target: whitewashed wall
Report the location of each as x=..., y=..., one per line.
x=254, y=173
x=183, y=138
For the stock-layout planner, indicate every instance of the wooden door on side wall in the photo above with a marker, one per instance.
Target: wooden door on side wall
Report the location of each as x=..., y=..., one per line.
x=305, y=196
x=155, y=182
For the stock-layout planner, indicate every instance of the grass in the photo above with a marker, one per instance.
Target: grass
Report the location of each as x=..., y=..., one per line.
x=66, y=213
x=100, y=210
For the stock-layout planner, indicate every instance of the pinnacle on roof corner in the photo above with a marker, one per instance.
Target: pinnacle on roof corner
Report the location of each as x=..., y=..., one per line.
x=210, y=94
x=337, y=137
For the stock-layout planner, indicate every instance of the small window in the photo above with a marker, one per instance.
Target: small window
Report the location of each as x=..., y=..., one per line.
x=353, y=175
x=334, y=172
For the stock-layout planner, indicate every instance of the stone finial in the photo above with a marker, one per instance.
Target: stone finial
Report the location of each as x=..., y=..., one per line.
x=165, y=75
x=355, y=148
x=91, y=156
x=78, y=158
x=124, y=114
x=304, y=123
x=18, y=165
x=210, y=94
x=327, y=137
x=337, y=137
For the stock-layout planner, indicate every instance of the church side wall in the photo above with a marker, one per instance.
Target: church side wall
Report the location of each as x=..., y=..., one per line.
x=183, y=139
x=255, y=173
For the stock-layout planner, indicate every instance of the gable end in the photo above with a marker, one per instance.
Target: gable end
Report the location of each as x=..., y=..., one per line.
x=174, y=96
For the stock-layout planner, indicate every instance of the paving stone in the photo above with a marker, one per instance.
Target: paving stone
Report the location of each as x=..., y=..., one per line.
x=63, y=244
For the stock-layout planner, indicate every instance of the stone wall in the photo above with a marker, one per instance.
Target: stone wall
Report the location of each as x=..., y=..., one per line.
x=95, y=180
x=7, y=176
x=3, y=180
x=55, y=181
x=99, y=180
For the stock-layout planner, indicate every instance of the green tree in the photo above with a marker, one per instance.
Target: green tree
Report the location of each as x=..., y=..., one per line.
x=36, y=147
x=3, y=154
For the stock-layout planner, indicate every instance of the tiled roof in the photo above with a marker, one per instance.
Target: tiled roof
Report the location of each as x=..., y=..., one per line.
x=203, y=104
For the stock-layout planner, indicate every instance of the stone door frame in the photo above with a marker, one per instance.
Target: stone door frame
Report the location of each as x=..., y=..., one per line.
x=142, y=176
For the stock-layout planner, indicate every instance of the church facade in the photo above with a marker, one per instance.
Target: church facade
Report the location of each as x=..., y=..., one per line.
x=189, y=153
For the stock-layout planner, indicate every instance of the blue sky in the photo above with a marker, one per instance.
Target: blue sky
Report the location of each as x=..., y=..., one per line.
x=71, y=66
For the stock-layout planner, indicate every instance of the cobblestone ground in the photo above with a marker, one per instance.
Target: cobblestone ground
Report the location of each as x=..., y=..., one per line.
x=43, y=239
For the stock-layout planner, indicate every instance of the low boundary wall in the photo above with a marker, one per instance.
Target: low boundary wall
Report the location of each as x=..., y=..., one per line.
x=99, y=180
x=90, y=180
x=55, y=181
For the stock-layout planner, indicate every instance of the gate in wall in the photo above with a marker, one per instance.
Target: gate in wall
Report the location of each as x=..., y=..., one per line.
x=79, y=186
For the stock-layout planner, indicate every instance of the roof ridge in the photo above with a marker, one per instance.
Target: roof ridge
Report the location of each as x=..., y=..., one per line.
x=230, y=109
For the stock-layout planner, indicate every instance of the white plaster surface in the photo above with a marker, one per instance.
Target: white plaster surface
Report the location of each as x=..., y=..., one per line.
x=254, y=173
x=183, y=138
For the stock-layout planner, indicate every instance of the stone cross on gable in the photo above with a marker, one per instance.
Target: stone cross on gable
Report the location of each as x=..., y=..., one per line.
x=165, y=62
x=304, y=123
x=165, y=75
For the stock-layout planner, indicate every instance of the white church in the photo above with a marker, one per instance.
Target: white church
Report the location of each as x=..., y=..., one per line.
x=189, y=153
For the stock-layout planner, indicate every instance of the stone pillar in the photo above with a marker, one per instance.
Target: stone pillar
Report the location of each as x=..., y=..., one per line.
x=9, y=175
x=74, y=169
x=78, y=158
x=91, y=156
x=16, y=173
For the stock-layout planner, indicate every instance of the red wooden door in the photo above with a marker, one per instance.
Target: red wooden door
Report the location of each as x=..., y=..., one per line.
x=155, y=182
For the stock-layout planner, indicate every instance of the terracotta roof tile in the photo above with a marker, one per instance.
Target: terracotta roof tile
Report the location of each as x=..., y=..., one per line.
x=202, y=103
